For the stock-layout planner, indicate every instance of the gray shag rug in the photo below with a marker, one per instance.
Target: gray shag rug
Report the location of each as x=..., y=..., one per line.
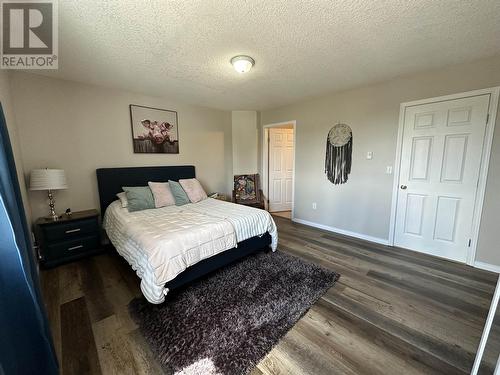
x=226, y=323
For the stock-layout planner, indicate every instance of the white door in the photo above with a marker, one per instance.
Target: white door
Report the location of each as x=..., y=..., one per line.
x=440, y=161
x=280, y=169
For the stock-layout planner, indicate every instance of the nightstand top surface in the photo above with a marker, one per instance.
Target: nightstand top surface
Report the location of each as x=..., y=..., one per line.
x=77, y=215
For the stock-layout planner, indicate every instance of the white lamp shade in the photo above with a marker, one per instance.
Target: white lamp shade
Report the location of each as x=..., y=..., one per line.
x=48, y=179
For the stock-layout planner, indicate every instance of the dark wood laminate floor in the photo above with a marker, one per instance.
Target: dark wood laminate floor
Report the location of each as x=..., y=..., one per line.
x=392, y=312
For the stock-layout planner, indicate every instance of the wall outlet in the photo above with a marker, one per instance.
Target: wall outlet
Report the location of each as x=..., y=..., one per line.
x=314, y=205
x=369, y=155
x=388, y=169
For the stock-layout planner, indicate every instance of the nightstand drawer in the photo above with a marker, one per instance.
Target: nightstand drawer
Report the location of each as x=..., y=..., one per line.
x=70, y=230
x=73, y=247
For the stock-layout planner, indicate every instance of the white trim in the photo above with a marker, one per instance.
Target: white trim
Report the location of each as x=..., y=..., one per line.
x=494, y=93
x=487, y=266
x=486, y=330
x=344, y=232
x=445, y=98
x=483, y=174
x=265, y=159
x=397, y=168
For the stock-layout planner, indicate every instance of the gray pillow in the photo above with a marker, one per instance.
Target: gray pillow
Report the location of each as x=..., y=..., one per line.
x=139, y=198
x=179, y=194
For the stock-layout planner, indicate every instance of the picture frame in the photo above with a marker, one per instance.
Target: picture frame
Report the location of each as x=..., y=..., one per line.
x=154, y=130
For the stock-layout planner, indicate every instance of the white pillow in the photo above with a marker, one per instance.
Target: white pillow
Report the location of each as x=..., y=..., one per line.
x=193, y=189
x=123, y=199
x=162, y=194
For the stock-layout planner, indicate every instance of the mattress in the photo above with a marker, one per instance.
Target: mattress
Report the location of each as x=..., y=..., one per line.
x=161, y=243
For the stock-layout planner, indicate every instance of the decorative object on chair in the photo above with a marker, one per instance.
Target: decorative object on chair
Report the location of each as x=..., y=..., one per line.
x=154, y=130
x=246, y=190
x=338, y=153
x=245, y=187
x=48, y=179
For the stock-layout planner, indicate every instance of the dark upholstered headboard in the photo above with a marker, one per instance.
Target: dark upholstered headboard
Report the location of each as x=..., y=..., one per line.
x=111, y=180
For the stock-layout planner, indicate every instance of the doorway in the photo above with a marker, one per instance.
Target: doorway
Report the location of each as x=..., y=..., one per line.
x=278, y=167
x=443, y=152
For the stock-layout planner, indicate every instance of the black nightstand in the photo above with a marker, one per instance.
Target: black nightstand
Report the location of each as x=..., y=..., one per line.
x=69, y=238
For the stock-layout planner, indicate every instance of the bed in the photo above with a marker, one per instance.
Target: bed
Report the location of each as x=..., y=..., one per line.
x=171, y=246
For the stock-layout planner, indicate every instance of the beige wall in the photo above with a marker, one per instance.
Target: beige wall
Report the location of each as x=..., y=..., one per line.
x=80, y=127
x=5, y=99
x=244, y=129
x=363, y=205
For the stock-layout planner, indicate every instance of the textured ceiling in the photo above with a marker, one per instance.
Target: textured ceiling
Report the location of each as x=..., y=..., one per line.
x=181, y=49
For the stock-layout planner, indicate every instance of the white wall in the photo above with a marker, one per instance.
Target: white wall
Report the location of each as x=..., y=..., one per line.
x=79, y=128
x=363, y=205
x=244, y=135
x=5, y=99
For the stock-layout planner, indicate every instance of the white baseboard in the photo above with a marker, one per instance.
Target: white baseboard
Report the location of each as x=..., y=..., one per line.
x=487, y=266
x=365, y=237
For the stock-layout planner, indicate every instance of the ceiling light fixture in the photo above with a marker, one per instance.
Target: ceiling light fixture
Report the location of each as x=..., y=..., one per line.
x=242, y=64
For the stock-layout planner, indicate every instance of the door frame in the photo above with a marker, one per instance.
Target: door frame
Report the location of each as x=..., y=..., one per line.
x=265, y=160
x=494, y=93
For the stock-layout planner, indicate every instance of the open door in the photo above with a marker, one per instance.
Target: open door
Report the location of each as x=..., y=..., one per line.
x=280, y=169
x=278, y=166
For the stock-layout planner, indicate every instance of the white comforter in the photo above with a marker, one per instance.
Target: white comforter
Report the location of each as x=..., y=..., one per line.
x=161, y=243
x=247, y=221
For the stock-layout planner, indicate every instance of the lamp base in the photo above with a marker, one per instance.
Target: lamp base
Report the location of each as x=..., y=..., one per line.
x=52, y=213
x=52, y=218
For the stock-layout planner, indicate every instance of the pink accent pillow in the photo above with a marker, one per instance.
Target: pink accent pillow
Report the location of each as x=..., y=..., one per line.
x=162, y=194
x=193, y=189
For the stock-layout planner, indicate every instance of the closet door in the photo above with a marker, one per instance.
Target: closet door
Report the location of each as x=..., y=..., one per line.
x=440, y=162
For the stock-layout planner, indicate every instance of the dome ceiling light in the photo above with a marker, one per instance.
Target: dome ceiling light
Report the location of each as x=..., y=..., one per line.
x=242, y=64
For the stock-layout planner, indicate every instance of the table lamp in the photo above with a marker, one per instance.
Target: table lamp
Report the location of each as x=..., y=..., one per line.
x=48, y=179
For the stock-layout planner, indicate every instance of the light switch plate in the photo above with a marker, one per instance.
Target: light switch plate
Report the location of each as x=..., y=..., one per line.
x=388, y=169
x=369, y=155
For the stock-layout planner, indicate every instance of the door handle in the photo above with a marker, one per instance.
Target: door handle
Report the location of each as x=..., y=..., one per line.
x=403, y=187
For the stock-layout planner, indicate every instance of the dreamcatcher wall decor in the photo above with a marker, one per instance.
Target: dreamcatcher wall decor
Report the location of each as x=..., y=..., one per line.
x=338, y=153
